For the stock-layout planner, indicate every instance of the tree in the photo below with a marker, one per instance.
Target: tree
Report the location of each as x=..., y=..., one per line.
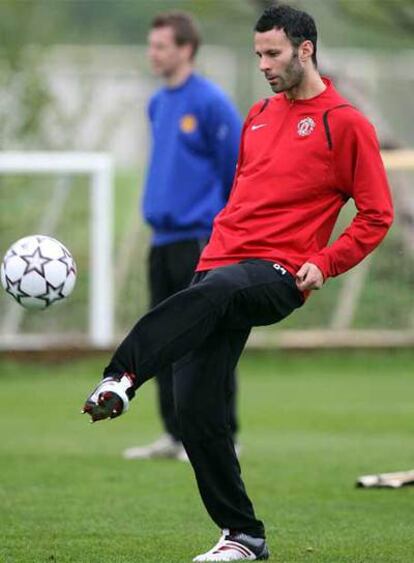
x=385, y=13
x=23, y=91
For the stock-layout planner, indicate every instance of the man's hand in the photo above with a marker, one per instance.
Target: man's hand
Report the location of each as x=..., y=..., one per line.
x=309, y=276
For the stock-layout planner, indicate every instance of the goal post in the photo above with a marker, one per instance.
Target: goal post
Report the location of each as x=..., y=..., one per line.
x=355, y=284
x=99, y=167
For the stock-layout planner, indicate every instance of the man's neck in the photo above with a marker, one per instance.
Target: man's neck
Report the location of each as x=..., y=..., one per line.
x=312, y=85
x=179, y=76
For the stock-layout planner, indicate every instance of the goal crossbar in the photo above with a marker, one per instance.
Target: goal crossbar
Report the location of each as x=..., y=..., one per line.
x=401, y=159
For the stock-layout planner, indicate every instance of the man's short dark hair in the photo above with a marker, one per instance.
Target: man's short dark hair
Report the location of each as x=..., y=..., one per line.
x=298, y=26
x=184, y=26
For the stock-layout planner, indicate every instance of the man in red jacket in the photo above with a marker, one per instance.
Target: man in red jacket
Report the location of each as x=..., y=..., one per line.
x=304, y=152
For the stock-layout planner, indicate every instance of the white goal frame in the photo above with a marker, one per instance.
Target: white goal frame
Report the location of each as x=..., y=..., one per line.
x=99, y=167
x=101, y=302
x=332, y=337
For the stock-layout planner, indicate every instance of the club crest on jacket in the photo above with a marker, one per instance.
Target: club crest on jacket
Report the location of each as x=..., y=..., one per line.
x=306, y=126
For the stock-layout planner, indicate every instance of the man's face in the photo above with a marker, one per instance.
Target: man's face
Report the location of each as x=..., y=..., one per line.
x=164, y=55
x=278, y=60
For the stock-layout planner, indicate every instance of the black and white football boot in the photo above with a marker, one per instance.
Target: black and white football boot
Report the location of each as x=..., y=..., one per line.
x=236, y=546
x=110, y=398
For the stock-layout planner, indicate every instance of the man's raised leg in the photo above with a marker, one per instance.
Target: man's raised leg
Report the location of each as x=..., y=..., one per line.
x=247, y=294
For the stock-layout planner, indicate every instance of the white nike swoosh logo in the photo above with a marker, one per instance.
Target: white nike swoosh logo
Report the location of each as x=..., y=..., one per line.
x=254, y=127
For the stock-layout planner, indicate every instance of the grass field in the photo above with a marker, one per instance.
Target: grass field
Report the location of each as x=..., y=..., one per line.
x=310, y=425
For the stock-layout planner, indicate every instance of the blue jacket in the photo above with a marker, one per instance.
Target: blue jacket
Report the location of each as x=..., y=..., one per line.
x=195, y=141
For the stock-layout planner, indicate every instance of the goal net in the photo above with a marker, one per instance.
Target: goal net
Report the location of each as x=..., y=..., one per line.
x=76, y=198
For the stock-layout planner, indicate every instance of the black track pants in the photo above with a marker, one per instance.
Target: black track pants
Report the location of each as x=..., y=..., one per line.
x=203, y=330
x=171, y=269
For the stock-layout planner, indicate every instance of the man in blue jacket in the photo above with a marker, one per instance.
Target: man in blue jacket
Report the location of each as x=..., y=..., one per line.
x=195, y=139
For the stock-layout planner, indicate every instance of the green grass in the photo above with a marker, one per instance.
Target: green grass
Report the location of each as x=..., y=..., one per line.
x=310, y=425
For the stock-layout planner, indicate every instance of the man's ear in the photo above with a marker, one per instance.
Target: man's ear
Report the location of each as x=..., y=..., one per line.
x=305, y=50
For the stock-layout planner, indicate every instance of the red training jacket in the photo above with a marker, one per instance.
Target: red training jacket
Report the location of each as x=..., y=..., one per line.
x=299, y=162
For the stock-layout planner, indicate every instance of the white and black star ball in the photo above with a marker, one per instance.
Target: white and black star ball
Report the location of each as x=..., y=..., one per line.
x=37, y=271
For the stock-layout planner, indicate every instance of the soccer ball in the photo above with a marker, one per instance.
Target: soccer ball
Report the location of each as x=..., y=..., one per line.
x=38, y=271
